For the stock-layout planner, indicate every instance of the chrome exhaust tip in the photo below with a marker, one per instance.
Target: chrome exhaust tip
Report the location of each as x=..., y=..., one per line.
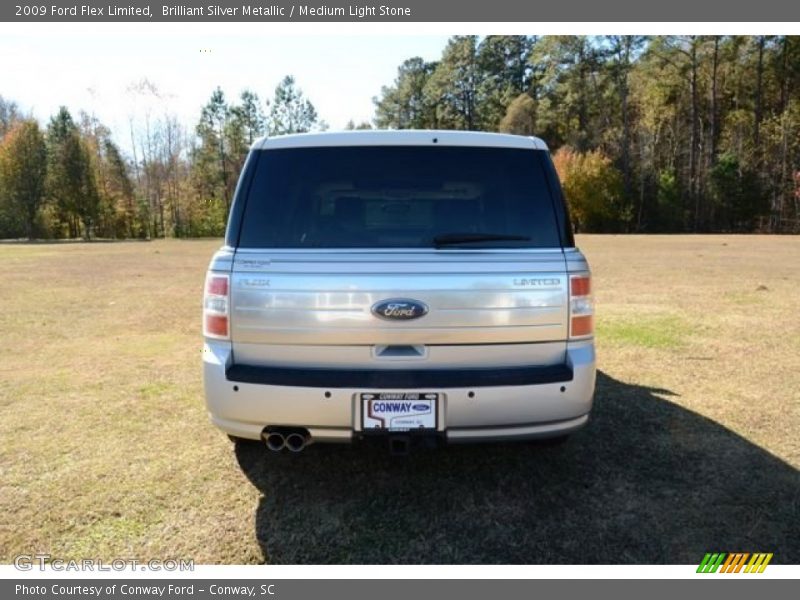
x=296, y=442
x=274, y=441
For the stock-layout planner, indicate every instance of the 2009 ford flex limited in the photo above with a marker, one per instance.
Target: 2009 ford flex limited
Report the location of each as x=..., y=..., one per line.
x=398, y=283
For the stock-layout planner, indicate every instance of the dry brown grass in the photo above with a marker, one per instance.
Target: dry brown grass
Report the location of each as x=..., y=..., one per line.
x=105, y=449
x=712, y=318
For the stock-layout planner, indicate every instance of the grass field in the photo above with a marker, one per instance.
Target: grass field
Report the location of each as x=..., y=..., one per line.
x=106, y=451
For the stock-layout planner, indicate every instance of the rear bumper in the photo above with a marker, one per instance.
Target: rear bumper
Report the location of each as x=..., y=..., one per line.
x=386, y=379
x=476, y=404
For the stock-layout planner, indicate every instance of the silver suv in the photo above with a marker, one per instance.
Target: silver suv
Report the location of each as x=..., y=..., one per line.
x=398, y=284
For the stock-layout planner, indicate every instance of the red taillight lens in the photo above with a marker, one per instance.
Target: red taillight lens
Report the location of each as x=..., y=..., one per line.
x=581, y=306
x=580, y=286
x=582, y=325
x=216, y=306
x=217, y=325
x=217, y=285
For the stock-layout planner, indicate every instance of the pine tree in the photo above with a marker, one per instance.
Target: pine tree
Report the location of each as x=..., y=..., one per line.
x=23, y=169
x=70, y=179
x=454, y=88
x=290, y=111
x=404, y=104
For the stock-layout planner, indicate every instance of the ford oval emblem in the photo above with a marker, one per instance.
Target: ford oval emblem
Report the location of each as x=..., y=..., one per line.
x=399, y=309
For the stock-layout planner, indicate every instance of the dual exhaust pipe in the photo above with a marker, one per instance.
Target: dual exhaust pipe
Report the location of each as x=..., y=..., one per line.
x=292, y=439
x=295, y=439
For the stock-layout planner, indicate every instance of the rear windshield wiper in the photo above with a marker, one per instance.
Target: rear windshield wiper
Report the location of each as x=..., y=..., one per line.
x=447, y=239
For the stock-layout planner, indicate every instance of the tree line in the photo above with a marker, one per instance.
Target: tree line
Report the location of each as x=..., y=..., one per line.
x=649, y=134
x=71, y=180
x=667, y=133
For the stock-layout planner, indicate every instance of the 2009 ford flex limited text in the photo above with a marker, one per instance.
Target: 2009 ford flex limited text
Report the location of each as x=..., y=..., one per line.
x=398, y=283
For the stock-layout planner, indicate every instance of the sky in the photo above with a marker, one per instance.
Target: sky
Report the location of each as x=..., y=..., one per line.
x=94, y=70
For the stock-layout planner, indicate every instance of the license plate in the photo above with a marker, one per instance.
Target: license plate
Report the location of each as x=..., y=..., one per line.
x=404, y=411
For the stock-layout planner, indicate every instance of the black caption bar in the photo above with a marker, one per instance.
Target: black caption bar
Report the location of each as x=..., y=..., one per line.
x=404, y=10
x=396, y=589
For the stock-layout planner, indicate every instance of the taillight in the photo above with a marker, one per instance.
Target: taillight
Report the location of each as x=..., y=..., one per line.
x=216, y=306
x=581, y=306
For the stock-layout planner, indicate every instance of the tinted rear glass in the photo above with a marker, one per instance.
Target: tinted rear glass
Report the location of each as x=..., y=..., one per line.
x=397, y=197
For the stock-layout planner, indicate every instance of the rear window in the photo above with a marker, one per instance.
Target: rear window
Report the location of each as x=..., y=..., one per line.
x=398, y=197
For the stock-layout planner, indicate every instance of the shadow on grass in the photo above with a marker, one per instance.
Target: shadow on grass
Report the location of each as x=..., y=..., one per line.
x=646, y=482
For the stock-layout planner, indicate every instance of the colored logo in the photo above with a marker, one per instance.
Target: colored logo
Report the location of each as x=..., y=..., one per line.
x=399, y=309
x=734, y=562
